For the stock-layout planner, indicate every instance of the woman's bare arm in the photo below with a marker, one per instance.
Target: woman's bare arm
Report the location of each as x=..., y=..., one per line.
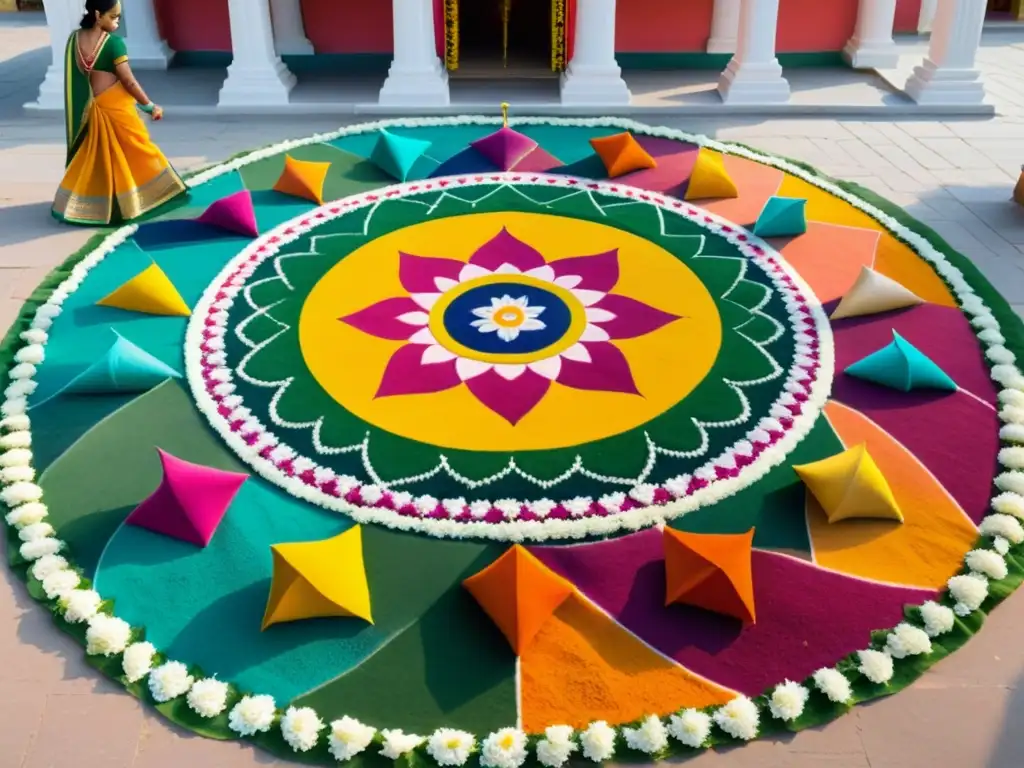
x=127, y=77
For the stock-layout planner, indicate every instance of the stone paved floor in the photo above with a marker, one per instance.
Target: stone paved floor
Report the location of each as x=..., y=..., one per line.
x=957, y=176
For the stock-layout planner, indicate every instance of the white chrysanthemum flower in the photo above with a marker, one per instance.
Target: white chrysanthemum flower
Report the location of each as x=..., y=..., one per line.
x=1012, y=457
x=650, y=737
x=833, y=684
x=1009, y=504
x=1012, y=414
x=169, y=681
x=36, y=531
x=252, y=715
x=1012, y=397
x=1012, y=433
x=937, y=618
x=349, y=737
x=1008, y=527
x=907, y=640
x=969, y=591
x=450, y=747
x=691, y=727
x=15, y=422
x=505, y=748
x=22, y=439
x=739, y=718
x=17, y=475
x=987, y=563
x=875, y=666
x=578, y=506
x=598, y=741
x=208, y=697
x=33, y=550
x=27, y=514
x=107, y=635
x=80, y=605
x=1007, y=481
x=137, y=661
x=301, y=728
x=20, y=493
x=60, y=583
x=16, y=457
x=557, y=746
x=398, y=743
x=46, y=565
x=788, y=700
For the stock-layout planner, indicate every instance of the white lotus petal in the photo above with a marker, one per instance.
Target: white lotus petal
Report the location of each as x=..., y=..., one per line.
x=469, y=369
x=436, y=354
x=425, y=300
x=471, y=272
x=414, y=318
x=532, y=324
x=577, y=352
x=593, y=333
x=549, y=368
x=508, y=269
x=422, y=336
x=568, y=281
x=545, y=273
x=589, y=298
x=444, y=283
x=508, y=334
x=595, y=315
x=510, y=372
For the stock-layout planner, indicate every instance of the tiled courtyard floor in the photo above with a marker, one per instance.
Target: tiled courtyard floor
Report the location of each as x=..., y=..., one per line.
x=956, y=175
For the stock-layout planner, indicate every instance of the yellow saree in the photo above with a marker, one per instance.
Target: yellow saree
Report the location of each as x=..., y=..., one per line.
x=115, y=173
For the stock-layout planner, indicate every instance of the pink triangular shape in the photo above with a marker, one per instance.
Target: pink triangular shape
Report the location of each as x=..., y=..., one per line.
x=190, y=502
x=235, y=213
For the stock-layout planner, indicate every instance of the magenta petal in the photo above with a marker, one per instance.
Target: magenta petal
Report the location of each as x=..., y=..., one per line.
x=505, y=248
x=417, y=273
x=632, y=318
x=607, y=371
x=381, y=319
x=406, y=375
x=511, y=400
x=599, y=272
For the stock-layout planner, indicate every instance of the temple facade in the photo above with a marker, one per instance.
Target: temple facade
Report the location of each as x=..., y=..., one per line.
x=584, y=43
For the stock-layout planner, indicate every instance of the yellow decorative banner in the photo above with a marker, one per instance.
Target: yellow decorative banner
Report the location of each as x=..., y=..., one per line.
x=451, y=34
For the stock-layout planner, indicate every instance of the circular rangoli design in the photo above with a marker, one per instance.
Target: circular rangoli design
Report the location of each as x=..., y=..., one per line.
x=498, y=464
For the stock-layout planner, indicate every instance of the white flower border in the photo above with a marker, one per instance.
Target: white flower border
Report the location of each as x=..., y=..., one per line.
x=791, y=416
x=301, y=728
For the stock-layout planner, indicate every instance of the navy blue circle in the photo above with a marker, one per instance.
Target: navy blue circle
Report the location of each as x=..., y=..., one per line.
x=459, y=318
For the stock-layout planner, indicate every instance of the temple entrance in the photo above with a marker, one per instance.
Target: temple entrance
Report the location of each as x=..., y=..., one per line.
x=510, y=37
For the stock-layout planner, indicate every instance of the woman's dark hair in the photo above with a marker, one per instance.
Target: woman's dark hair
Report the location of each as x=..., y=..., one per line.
x=93, y=7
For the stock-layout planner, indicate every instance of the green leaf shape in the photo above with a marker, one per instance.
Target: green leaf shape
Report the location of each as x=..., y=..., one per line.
x=395, y=458
x=718, y=273
x=349, y=174
x=416, y=666
x=749, y=294
x=621, y=456
x=280, y=357
x=391, y=215
x=774, y=506
x=758, y=329
x=88, y=499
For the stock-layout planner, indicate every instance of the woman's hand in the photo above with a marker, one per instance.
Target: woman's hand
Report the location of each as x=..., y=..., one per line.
x=158, y=113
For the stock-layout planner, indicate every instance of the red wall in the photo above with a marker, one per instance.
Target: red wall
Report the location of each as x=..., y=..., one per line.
x=814, y=26
x=651, y=26
x=662, y=26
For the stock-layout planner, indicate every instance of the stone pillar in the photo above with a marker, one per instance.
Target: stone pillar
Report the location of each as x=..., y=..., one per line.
x=872, y=46
x=593, y=77
x=257, y=77
x=146, y=49
x=948, y=75
x=62, y=18
x=289, y=30
x=754, y=75
x=927, y=16
x=725, y=24
x=417, y=78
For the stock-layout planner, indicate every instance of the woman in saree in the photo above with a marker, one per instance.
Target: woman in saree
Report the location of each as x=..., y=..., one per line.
x=114, y=173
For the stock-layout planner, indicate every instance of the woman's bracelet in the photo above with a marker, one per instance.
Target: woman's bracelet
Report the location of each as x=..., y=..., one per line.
x=148, y=108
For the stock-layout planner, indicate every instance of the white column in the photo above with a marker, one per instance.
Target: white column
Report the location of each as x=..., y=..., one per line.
x=948, y=75
x=257, y=77
x=725, y=25
x=927, y=16
x=593, y=77
x=872, y=46
x=146, y=49
x=417, y=78
x=289, y=31
x=754, y=75
x=62, y=18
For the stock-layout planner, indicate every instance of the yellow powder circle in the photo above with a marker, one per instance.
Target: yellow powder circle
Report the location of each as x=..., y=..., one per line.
x=666, y=364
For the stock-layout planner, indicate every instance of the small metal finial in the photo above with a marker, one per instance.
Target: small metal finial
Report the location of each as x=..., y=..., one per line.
x=504, y=113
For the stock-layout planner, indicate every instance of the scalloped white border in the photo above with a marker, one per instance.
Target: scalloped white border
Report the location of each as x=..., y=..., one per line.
x=792, y=415
x=739, y=718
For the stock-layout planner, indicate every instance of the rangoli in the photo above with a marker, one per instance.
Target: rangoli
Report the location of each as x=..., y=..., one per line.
x=455, y=440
